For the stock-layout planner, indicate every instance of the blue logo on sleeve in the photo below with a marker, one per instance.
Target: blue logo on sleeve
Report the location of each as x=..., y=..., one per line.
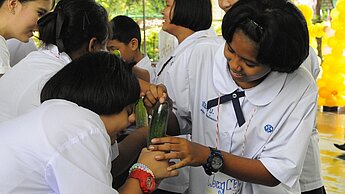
x=269, y=128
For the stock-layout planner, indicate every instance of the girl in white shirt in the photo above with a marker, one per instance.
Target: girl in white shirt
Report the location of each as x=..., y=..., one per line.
x=63, y=146
x=71, y=30
x=311, y=179
x=262, y=129
x=189, y=21
x=18, y=19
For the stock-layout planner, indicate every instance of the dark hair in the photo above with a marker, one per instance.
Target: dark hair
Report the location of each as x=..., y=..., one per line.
x=98, y=81
x=278, y=28
x=124, y=29
x=73, y=23
x=24, y=1
x=192, y=14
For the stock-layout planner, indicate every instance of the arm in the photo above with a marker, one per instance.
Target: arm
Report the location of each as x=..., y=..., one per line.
x=159, y=169
x=194, y=154
x=129, y=151
x=141, y=73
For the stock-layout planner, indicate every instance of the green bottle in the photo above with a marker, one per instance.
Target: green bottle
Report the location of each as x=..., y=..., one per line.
x=159, y=121
x=141, y=117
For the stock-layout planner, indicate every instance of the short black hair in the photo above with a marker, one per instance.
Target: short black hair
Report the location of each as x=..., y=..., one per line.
x=192, y=14
x=98, y=81
x=124, y=29
x=277, y=26
x=73, y=23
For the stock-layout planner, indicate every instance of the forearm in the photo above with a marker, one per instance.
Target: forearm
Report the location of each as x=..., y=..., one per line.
x=249, y=170
x=129, y=151
x=131, y=187
x=141, y=73
x=144, y=85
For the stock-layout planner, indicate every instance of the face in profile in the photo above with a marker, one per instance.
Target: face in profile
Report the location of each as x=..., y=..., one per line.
x=118, y=122
x=226, y=4
x=25, y=16
x=125, y=50
x=243, y=67
x=167, y=16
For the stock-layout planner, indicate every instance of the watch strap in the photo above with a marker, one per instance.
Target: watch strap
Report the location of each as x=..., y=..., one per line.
x=146, y=180
x=208, y=166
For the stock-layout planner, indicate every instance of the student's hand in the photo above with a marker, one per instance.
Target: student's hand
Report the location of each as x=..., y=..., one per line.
x=190, y=153
x=154, y=94
x=158, y=167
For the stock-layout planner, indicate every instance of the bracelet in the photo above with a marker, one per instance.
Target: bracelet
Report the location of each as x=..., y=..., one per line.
x=141, y=166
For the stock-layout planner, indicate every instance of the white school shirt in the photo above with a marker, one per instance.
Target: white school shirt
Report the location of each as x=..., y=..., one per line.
x=58, y=148
x=20, y=87
x=194, y=49
x=278, y=132
x=311, y=173
x=19, y=50
x=146, y=64
x=4, y=56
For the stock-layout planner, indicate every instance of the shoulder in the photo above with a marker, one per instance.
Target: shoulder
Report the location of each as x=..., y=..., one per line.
x=63, y=120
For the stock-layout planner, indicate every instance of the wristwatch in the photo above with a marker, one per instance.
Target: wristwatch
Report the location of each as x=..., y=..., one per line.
x=214, y=161
x=146, y=180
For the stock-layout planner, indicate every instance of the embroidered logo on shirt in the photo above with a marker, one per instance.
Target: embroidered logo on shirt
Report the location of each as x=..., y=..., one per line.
x=209, y=113
x=268, y=128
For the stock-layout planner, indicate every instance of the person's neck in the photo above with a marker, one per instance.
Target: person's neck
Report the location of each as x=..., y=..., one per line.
x=183, y=33
x=3, y=32
x=138, y=56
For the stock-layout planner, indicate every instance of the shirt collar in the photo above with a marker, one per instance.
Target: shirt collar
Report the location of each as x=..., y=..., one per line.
x=53, y=50
x=257, y=95
x=143, y=61
x=190, y=40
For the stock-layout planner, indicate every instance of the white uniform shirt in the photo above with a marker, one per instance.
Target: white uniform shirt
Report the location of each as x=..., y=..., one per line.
x=20, y=87
x=4, y=56
x=145, y=63
x=312, y=63
x=278, y=129
x=59, y=147
x=195, y=49
x=311, y=174
x=19, y=50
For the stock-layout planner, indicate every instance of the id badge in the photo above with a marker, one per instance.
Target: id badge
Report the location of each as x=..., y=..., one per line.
x=220, y=183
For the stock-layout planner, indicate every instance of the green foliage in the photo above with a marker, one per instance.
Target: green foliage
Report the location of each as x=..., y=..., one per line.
x=152, y=43
x=133, y=8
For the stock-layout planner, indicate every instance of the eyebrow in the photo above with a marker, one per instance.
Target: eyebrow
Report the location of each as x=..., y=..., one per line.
x=256, y=63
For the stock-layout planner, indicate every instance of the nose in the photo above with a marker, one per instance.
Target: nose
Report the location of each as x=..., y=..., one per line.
x=235, y=64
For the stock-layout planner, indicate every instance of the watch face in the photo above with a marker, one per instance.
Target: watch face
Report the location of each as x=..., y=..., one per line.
x=149, y=182
x=217, y=162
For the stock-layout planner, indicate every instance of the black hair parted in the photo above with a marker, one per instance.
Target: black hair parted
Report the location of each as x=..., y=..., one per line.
x=278, y=28
x=98, y=81
x=73, y=23
x=124, y=29
x=192, y=14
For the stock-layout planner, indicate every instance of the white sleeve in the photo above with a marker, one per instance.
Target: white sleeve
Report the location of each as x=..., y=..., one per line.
x=81, y=165
x=289, y=145
x=315, y=66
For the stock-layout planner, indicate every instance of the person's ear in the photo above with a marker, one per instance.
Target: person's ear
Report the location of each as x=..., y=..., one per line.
x=134, y=44
x=12, y=4
x=94, y=45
